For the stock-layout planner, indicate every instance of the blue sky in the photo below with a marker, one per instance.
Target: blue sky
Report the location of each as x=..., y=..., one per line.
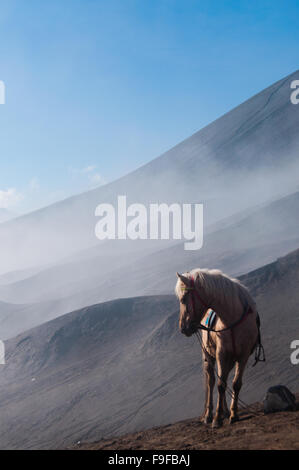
x=97, y=88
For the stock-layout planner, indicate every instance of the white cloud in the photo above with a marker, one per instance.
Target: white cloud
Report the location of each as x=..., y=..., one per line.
x=96, y=179
x=89, y=169
x=34, y=184
x=9, y=198
x=90, y=174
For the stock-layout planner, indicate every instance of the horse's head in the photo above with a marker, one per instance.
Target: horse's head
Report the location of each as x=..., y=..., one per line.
x=192, y=307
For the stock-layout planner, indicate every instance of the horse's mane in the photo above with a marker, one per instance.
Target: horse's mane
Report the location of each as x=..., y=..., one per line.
x=215, y=283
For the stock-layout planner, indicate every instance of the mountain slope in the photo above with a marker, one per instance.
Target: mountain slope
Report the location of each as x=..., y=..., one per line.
x=242, y=244
x=5, y=215
x=123, y=366
x=238, y=248
x=250, y=151
x=16, y=318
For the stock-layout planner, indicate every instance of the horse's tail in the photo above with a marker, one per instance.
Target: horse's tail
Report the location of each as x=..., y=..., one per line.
x=259, y=355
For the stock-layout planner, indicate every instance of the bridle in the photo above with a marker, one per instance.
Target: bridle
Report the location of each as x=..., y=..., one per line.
x=193, y=291
x=259, y=353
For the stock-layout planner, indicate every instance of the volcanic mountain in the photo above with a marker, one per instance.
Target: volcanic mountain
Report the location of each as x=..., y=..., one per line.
x=243, y=167
x=246, y=157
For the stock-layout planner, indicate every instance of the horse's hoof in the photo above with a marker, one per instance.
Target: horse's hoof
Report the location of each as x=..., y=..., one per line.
x=233, y=419
x=207, y=419
x=217, y=423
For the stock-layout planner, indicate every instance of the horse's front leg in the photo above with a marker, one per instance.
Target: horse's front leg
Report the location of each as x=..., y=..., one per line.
x=224, y=368
x=209, y=364
x=237, y=384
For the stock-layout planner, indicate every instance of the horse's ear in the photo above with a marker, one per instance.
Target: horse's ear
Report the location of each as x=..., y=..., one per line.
x=184, y=279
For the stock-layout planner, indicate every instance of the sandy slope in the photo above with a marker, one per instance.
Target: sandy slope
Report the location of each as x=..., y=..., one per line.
x=254, y=431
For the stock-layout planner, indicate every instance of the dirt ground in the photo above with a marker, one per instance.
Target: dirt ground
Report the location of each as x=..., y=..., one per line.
x=255, y=430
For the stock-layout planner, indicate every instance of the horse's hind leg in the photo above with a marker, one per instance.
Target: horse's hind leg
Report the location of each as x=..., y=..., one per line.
x=226, y=412
x=237, y=384
x=209, y=364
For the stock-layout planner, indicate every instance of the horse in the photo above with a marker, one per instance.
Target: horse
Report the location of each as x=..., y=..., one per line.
x=233, y=338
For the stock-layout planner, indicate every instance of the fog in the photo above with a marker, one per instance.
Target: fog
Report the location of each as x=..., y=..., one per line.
x=236, y=167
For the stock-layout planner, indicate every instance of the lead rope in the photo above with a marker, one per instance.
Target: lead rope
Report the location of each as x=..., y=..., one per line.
x=259, y=355
x=242, y=404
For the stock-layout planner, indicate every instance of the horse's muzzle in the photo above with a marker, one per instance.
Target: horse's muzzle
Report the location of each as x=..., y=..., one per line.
x=189, y=330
